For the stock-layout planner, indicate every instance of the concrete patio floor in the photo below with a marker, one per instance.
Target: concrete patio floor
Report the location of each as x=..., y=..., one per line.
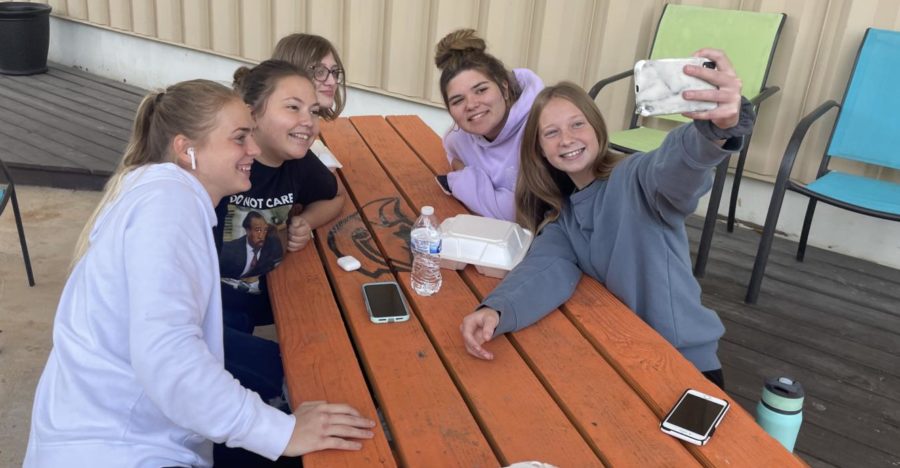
x=53, y=218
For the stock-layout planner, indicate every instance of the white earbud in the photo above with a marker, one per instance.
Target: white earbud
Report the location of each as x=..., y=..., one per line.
x=190, y=152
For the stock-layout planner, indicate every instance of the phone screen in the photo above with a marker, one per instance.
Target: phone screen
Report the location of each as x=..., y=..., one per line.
x=695, y=414
x=384, y=300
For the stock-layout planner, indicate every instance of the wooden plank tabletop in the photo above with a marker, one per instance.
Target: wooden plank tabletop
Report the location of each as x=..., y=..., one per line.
x=585, y=386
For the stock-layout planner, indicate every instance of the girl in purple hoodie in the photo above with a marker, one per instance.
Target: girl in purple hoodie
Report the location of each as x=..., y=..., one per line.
x=489, y=105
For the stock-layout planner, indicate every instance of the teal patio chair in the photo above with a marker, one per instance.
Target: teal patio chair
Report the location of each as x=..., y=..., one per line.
x=865, y=130
x=7, y=195
x=749, y=38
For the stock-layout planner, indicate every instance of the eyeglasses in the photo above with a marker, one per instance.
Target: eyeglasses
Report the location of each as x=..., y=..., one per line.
x=260, y=230
x=320, y=73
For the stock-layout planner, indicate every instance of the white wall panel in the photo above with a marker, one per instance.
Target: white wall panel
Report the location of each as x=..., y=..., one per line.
x=364, y=40
x=256, y=28
x=288, y=17
x=169, y=24
x=406, y=47
x=225, y=26
x=143, y=17
x=196, y=23
x=120, y=14
x=388, y=46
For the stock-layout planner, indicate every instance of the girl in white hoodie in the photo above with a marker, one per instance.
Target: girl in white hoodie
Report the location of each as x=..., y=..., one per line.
x=136, y=375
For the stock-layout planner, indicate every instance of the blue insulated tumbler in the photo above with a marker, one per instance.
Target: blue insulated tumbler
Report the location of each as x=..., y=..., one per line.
x=780, y=410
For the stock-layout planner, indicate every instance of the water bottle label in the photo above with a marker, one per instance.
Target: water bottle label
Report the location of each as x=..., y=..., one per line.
x=434, y=247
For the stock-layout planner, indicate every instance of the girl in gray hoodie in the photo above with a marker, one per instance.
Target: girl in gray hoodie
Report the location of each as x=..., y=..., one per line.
x=618, y=221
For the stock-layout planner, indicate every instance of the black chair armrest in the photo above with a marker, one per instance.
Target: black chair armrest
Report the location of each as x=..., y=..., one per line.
x=765, y=94
x=793, y=146
x=595, y=90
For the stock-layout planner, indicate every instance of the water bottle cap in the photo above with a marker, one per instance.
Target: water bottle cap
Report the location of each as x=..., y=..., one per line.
x=427, y=210
x=784, y=394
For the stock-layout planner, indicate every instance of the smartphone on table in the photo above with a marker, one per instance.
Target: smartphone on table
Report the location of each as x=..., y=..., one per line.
x=385, y=302
x=658, y=85
x=695, y=417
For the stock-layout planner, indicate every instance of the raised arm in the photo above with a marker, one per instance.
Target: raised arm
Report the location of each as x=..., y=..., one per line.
x=674, y=176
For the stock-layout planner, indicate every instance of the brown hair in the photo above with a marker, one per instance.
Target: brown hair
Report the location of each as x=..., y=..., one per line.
x=256, y=84
x=463, y=50
x=189, y=108
x=307, y=50
x=541, y=188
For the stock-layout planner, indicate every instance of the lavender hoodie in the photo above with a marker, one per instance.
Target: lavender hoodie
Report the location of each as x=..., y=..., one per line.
x=487, y=185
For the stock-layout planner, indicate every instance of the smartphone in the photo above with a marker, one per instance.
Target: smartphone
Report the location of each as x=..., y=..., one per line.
x=385, y=303
x=695, y=417
x=658, y=85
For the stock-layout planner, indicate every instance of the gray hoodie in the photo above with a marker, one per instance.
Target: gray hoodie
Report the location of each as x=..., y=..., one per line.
x=628, y=233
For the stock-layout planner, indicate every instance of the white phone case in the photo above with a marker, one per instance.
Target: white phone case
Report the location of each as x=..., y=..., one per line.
x=688, y=435
x=658, y=85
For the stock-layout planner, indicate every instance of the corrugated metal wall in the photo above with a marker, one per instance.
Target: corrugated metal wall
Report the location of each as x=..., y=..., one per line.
x=387, y=45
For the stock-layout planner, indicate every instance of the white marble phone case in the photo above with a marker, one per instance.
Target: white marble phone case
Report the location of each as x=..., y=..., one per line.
x=658, y=85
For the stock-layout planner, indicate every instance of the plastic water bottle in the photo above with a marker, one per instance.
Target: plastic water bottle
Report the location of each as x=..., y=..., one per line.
x=780, y=410
x=425, y=243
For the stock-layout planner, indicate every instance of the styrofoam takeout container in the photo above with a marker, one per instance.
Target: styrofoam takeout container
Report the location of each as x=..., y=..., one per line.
x=494, y=246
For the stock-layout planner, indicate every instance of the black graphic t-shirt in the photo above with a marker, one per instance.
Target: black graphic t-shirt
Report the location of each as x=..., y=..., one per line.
x=251, y=234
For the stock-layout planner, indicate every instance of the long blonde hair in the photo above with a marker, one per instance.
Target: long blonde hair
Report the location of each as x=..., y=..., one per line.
x=541, y=189
x=307, y=50
x=188, y=108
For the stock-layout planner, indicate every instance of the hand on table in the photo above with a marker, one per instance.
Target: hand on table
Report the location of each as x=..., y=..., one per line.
x=728, y=96
x=457, y=165
x=322, y=425
x=478, y=328
x=299, y=234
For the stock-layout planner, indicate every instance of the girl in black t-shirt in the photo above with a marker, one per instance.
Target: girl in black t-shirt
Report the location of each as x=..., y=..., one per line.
x=292, y=193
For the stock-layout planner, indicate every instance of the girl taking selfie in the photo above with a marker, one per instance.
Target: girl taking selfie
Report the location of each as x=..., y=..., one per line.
x=619, y=221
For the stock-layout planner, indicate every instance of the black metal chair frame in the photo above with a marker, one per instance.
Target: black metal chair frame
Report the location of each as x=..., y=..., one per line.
x=9, y=195
x=783, y=183
x=712, y=211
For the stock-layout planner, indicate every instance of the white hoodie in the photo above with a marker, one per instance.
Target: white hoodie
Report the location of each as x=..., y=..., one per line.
x=136, y=374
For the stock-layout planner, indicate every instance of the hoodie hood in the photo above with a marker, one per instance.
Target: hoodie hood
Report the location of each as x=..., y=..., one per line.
x=531, y=85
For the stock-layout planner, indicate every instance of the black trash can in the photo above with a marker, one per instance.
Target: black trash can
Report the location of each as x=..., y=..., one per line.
x=24, y=37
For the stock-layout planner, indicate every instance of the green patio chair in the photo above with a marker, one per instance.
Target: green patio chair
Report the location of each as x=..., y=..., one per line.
x=865, y=131
x=749, y=38
x=8, y=194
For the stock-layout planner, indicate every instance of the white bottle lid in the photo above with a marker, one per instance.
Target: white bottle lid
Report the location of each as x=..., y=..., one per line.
x=427, y=210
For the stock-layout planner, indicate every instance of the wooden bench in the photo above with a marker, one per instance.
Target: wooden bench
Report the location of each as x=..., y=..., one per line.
x=585, y=386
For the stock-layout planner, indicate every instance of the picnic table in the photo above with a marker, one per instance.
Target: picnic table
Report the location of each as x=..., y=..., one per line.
x=586, y=386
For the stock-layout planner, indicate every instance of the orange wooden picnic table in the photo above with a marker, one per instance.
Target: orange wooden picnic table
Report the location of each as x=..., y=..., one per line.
x=585, y=386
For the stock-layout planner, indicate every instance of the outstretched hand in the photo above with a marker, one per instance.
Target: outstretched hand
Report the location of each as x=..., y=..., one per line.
x=322, y=425
x=727, y=96
x=478, y=328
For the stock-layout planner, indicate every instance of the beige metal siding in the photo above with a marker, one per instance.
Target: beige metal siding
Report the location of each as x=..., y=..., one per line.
x=388, y=45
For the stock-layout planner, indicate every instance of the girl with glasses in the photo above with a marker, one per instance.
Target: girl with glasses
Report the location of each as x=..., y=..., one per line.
x=320, y=58
x=489, y=105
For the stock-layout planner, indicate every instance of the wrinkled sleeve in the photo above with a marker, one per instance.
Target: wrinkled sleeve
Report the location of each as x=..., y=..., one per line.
x=545, y=279
x=674, y=176
x=168, y=270
x=474, y=188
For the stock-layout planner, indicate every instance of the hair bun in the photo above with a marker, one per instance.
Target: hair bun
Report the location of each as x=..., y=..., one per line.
x=240, y=74
x=458, y=43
